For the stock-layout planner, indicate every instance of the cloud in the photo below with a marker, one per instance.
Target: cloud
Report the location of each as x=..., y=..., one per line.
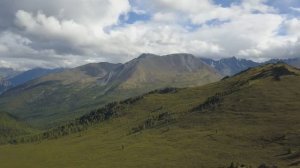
x=3, y=49
x=163, y=39
x=295, y=9
x=46, y=28
x=69, y=33
x=244, y=32
x=91, y=12
x=19, y=54
x=292, y=27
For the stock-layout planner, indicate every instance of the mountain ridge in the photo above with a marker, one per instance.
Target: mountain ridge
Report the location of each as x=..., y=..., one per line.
x=92, y=85
x=230, y=66
x=20, y=78
x=96, y=84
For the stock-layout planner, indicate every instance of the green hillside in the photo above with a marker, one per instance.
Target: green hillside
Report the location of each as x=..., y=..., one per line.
x=11, y=127
x=63, y=96
x=252, y=119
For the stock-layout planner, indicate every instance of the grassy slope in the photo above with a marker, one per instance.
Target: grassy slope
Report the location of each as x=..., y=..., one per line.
x=252, y=125
x=11, y=127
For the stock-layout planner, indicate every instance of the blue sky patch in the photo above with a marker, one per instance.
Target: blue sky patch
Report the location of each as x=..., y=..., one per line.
x=226, y=3
x=133, y=17
x=284, y=6
x=216, y=22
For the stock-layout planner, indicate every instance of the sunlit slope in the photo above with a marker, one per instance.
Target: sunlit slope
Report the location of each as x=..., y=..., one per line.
x=251, y=118
x=62, y=96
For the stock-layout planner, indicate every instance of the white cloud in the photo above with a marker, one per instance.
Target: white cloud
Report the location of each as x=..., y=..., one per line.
x=295, y=9
x=257, y=6
x=51, y=28
x=19, y=54
x=159, y=39
x=99, y=13
x=165, y=17
x=15, y=45
x=292, y=26
x=3, y=48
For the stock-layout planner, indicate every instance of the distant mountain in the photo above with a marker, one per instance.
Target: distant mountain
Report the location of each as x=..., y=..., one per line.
x=230, y=66
x=59, y=96
x=4, y=84
x=8, y=72
x=180, y=70
x=18, y=78
x=30, y=75
x=292, y=61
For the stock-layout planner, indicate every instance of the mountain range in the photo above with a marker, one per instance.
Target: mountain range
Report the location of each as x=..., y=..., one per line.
x=230, y=66
x=248, y=120
x=39, y=101
x=16, y=78
x=8, y=72
x=36, y=95
x=291, y=61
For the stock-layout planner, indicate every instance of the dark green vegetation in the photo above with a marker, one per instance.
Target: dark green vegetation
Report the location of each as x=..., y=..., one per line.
x=58, y=97
x=251, y=119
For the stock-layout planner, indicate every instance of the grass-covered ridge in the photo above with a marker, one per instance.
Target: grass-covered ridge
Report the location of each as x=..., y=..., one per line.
x=250, y=119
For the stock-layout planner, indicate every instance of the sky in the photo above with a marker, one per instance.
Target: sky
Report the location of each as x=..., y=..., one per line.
x=69, y=33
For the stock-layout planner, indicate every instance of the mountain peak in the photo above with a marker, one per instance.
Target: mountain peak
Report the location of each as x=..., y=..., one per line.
x=146, y=55
x=149, y=55
x=230, y=58
x=180, y=55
